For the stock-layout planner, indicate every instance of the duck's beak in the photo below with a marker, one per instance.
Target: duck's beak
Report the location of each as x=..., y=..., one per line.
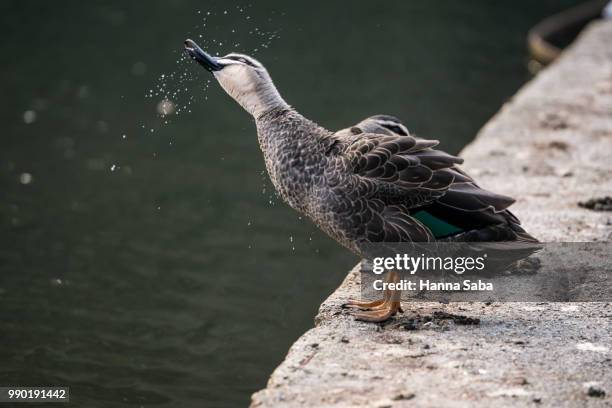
x=210, y=63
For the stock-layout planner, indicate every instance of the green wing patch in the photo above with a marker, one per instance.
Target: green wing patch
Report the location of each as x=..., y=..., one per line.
x=439, y=228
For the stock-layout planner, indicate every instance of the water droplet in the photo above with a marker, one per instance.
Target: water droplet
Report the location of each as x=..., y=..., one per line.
x=29, y=117
x=166, y=107
x=25, y=178
x=83, y=92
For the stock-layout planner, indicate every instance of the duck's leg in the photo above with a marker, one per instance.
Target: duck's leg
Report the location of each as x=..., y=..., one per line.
x=355, y=304
x=383, y=309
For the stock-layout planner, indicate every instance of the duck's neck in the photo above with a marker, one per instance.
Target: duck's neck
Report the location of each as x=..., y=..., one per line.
x=267, y=99
x=294, y=151
x=256, y=96
x=284, y=128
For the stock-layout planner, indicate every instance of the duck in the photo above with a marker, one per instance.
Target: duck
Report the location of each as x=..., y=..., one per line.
x=370, y=183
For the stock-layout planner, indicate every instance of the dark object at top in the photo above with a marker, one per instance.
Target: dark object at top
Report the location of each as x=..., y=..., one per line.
x=547, y=39
x=597, y=204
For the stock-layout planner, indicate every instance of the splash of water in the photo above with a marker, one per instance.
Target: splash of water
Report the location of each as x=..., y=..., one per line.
x=178, y=90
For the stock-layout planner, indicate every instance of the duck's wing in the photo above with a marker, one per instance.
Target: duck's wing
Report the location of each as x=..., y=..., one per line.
x=402, y=169
x=464, y=206
x=391, y=175
x=416, y=192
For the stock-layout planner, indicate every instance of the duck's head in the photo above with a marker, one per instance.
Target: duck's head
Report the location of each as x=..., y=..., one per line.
x=379, y=124
x=383, y=124
x=243, y=77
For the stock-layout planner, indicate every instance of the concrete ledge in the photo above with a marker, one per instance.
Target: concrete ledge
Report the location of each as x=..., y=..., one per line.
x=550, y=147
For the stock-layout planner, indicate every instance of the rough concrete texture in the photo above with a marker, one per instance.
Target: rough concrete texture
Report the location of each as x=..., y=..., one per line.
x=550, y=147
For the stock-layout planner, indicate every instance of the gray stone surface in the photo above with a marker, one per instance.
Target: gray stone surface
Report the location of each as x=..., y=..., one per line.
x=550, y=147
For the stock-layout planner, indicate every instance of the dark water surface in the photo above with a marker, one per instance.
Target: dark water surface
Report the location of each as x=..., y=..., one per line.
x=169, y=279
